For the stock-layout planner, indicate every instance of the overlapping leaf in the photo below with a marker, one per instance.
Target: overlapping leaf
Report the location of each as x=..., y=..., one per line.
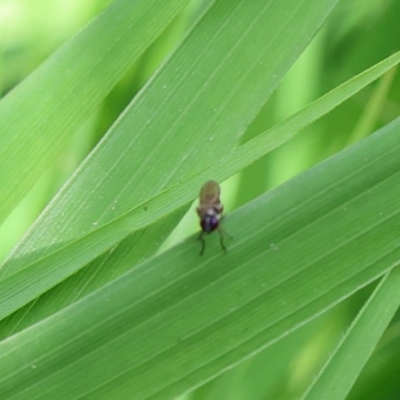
x=179, y=319
x=189, y=116
x=38, y=117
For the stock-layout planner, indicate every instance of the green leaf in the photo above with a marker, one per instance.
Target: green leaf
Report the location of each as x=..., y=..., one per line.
x=28, y=283
x=359, y=342
x=189, y=116
x=39, y=116
x=179, y=319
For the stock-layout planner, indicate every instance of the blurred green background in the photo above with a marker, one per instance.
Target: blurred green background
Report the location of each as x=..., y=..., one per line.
x=357, y=35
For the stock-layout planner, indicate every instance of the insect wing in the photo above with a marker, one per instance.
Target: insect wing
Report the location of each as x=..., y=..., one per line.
x=209, y=193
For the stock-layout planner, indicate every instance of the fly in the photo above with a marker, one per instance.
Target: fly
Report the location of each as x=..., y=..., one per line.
x=210, y=212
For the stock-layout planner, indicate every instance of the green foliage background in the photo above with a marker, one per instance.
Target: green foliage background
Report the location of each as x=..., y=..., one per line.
x=113, y=115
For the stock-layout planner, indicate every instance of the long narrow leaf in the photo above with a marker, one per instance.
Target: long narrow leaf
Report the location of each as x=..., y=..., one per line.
x=358, y=343
x=38, y=117
x=188, y=116
x=22, y=287
x=180, y=319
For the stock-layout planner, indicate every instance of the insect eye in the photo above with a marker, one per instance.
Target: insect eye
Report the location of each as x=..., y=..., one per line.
x=209, y=223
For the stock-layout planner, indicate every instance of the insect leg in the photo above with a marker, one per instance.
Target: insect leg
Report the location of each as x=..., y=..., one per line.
x=221, y=240
x=223, y=232
x=203, y=243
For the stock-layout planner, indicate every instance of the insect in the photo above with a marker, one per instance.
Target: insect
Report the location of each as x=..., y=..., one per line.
x=210, y=212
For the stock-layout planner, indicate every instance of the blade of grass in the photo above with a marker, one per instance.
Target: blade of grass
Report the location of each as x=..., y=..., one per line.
x=189, y=111
x=374, y=108
x=199, y=104
x=180, y=319
x=28, y=283
x=338, y=375
x=38, y=116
